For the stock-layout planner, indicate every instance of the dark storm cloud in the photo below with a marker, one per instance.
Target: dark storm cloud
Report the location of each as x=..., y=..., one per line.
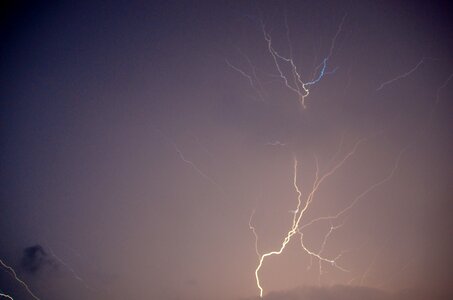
x=343, y=292
x=35, y=258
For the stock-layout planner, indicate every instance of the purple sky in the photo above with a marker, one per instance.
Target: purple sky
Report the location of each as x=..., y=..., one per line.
x=142, y=140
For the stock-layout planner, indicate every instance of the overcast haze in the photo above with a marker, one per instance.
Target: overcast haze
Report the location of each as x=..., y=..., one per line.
x=140, y=141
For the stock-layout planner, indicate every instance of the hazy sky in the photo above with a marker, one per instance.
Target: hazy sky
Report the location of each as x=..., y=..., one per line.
x=141, y=142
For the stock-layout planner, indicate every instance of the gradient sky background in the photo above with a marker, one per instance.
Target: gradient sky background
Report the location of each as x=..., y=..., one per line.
x=103, y=105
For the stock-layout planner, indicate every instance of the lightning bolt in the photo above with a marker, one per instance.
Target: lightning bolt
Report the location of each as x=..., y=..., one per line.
x=196, y=168
x=6, y=296
x=402, y=75
x=323, y=245
x=321, y=250
x=73, y=272
x=249, y=77
x=252, y=228
x=332, y=45
x=189, y=162
x=298, y=214
x=333, y=261
x=13, y=273
x=298, y=86
x=433, y=108
x=253, y=79
x=363, y=194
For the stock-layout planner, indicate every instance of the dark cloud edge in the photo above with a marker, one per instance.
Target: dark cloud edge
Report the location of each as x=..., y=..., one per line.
x=349, y=292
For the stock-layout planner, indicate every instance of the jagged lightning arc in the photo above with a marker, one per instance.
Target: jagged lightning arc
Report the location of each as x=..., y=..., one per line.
x=6, y=296
x=374, y=186
x=298, y=86
x=293, y=82
x=13, y=273
x=187, y=161
x=252, y=228
x=70, y=269
x=298, y=214
x=322, y=248
x=404, y=75
x=302, y=208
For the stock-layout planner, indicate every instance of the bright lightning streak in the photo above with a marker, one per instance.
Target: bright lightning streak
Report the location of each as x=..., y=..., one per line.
x=332, y=46
x=319, y=257
x=6, y=296
x=298, y=86
x=18, y=279
x=402, y=75
x=252, y=228
x=363, y=194
x=321, y=250
x=299, y=212
x=323, y=245
x=321, y=74
x=287, y=238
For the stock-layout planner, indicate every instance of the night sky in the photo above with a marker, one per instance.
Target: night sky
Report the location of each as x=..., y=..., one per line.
x=155, y=150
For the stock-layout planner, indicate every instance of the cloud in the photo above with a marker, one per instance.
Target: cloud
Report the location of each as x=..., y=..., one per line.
x=329, y=293
x=34, y=259
x=343, y=292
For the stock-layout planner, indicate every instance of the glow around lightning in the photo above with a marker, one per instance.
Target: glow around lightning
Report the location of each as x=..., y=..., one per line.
x=301, y=208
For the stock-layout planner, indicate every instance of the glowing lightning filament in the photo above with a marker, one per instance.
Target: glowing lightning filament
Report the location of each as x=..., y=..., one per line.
x=288, y=236
x=18, y=279
x=73, y=272
x=298, y=213
x=6, y=296
x=363, y=194
x=298, y=86
x=252, y=228
x=401, y=76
